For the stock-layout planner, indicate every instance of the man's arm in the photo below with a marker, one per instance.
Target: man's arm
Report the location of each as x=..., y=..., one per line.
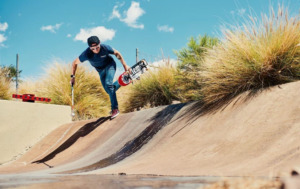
x=120, y=57
x=74, y=65
x=74, y=68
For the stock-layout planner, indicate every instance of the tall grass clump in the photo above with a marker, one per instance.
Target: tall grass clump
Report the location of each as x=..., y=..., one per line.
x=29, y=86
x=5, y=82
x=190, y=65
x=257, y=55
x=90, y=98
x=156, y=87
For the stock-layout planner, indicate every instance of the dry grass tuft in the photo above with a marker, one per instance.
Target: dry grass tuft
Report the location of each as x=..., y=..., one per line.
x=252, y=57
x=155, y=88
x=5, y=84
x=90, y=99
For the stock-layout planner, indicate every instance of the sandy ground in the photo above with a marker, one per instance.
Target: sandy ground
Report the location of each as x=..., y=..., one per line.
x=255, y=136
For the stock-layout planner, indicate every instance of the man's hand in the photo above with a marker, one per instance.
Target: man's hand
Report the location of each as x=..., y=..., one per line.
x=127, y=68
x=72, y=81
x=74, y=68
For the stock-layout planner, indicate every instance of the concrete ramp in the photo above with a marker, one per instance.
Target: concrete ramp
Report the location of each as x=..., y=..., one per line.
x=23, y=124
x=84, y=143
x=257, y=136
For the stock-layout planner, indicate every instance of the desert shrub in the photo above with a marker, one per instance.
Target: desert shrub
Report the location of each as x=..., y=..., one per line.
x=90, y=99
x=156, y=87
x=256, y=55
x=5, y=84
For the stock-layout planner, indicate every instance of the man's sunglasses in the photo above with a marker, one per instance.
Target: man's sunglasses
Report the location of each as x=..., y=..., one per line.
x=95, y=47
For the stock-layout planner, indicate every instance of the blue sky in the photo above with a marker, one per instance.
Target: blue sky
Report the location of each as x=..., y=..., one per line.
x=45, y=31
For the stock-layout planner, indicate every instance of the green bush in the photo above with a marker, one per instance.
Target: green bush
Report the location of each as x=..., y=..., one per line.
x=189, y=67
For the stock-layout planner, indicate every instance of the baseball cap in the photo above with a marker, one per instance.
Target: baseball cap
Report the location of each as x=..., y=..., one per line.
x=93, y=39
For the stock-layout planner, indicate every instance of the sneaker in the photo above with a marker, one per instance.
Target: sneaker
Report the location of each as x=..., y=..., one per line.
x=114, y=113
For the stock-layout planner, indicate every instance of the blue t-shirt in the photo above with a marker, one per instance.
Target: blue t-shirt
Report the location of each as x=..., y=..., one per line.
x=100, y=60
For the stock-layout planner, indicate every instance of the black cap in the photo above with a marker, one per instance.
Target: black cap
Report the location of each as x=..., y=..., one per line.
x=93, y=39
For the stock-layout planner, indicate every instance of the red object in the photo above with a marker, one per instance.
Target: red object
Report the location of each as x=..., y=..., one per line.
x=124, y=79
x=30, y=98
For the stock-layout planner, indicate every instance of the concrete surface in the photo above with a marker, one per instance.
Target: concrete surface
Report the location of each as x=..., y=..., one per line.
x=22, y=124
x=255, y=136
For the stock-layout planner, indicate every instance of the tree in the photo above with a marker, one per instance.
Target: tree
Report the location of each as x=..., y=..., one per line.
x=192, y=56
x=189, y=66
x=11, y=72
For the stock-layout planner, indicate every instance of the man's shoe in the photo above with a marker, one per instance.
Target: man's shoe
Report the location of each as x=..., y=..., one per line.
x=114, y=113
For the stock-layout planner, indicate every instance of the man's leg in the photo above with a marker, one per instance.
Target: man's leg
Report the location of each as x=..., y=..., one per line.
x=117, y=85
x=111, y=87
x=102, y=75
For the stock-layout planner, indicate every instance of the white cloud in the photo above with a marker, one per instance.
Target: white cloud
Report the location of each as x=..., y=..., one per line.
x=103, y=33
x=3, y=26
x=241, y=12
x=2, y=39
x=165, y=28
x=130, y=16
x=115, y=13
x=51, y=28
x=69, y=35
x=163, y=62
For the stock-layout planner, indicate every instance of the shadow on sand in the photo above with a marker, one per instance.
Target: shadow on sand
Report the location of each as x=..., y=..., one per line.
x=157, y=122
x=82, y=132
x=199, y=108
